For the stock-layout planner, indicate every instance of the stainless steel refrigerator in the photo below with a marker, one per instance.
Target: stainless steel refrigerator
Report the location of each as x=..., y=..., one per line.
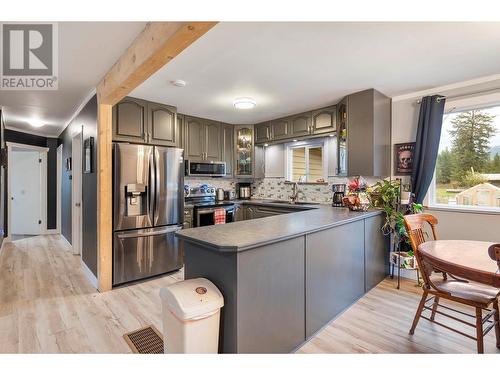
x=148, y=205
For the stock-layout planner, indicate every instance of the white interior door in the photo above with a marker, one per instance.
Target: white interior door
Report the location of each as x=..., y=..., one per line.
x=26, y=192
x=76, y=188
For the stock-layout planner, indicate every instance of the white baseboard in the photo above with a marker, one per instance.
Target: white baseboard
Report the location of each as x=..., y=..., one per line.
x=52, y=231
x=67, y=242
x=90, y=276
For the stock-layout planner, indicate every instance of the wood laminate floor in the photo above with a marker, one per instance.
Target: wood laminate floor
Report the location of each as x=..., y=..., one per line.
x=48, y=306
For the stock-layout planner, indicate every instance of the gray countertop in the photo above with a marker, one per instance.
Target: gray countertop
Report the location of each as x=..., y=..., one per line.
x=248, y=234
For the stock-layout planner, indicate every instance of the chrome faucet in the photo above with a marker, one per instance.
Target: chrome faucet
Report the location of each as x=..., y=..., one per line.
x=295, y=193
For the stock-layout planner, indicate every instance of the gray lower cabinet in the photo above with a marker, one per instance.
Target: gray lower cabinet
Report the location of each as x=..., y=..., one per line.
x=376, y=252
x=202, y=139
x=139, y=121
x=278, y=295
x=239, y=212
x=130, y=119
x=227, y=140
x=334, y=263
x=324, y=120
x=271, y=298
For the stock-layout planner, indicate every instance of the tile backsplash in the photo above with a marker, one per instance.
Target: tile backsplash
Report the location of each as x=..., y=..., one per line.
x=277, y=188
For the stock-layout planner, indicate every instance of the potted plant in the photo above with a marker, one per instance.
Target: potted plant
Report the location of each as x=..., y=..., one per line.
x=385, y=195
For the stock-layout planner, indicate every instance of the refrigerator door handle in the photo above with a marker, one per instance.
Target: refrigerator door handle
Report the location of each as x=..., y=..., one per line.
x=157, y=185
x=152, y=188
x=150, y=233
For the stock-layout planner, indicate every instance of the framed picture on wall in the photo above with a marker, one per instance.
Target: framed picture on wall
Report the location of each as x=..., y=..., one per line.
x=403, y=155
x=88, y=146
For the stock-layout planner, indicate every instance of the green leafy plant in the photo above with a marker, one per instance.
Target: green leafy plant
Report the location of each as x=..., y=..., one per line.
x=385, y=195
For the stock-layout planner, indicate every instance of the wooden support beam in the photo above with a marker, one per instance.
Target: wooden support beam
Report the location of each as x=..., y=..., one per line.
x=157, y=45
x=104, y=197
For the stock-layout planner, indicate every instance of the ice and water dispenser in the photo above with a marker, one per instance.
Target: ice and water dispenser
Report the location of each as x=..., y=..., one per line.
x=136, y=195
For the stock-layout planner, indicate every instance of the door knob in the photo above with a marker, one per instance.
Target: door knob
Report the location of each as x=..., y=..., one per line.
x=77, y=204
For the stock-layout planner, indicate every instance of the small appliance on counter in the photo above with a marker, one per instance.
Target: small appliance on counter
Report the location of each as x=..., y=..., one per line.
x=229, y=195
x=244, y=190
x=338, y=195
x=219, y=194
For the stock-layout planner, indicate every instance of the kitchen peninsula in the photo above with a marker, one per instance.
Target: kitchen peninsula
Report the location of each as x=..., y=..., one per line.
x=284, y=277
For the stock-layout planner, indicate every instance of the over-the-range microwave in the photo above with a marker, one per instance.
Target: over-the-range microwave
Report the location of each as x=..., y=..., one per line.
x=205, y=168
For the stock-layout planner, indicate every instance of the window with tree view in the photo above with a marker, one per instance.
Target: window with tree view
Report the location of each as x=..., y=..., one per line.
x=468, y=163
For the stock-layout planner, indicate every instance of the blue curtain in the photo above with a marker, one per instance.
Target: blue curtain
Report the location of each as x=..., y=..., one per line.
x=430, y=121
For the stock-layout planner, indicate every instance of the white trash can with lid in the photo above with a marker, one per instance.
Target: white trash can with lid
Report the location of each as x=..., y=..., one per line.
x=191, y=316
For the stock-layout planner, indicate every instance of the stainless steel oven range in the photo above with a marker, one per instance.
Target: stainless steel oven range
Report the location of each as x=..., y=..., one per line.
x=203, y=201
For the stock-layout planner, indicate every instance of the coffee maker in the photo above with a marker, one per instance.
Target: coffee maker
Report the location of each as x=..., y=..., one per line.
x=244, y=190
x=338, y=195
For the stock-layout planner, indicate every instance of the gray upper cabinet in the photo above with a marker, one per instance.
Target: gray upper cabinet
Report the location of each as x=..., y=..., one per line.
x=227, y=139
x=213, y=151
x=280, y=128
x=202, y=139
x=130, y=120
x=318, y=122
x=300, y=124
x=139, y=121
x=194, y=138
x=274, y=160
x=162, y=129
x=263, y=132
x=324, y=120
x=368, y=134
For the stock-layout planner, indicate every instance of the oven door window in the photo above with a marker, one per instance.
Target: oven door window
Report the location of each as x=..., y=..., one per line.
x=204, y=217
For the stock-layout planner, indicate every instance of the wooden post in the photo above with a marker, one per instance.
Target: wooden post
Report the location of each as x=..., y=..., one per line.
x=157, y=45
x=104, y=197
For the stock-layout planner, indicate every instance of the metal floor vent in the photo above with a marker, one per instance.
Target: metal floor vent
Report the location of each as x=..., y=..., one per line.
x=145, y=341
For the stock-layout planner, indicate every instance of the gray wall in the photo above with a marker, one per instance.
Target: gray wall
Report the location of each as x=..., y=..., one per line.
x=86, y=119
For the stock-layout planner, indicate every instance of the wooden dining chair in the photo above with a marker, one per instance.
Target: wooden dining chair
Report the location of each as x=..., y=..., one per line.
x=494, y=253
x=446, y=285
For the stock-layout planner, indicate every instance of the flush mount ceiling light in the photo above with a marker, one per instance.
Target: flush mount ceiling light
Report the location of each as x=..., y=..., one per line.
x=36, y=123
x=178, y=83
x=244, y=103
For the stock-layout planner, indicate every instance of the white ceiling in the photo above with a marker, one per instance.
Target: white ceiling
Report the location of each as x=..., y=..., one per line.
x=292, y=67
x=87, y=50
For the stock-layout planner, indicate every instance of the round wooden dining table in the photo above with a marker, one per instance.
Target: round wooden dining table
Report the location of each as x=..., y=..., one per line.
x=467, y=259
